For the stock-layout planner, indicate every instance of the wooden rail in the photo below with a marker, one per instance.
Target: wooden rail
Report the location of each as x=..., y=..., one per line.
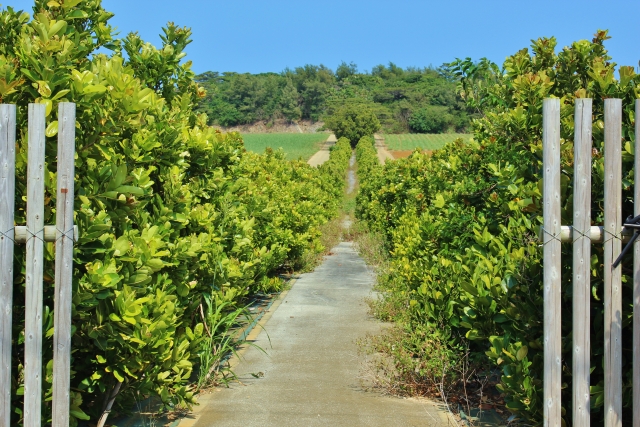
x=595, y=233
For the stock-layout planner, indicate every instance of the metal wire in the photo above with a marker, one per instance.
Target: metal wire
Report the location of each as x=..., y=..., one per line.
x=66, y=234
x=553, y=236
x=581, y=234
x=613, y=236
x=31, y=235
x=4, y=234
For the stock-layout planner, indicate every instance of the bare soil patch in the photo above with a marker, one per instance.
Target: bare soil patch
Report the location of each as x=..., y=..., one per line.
x=402, y=154
x=279, y=126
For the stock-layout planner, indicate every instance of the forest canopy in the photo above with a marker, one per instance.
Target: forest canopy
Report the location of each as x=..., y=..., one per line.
x=421, y=100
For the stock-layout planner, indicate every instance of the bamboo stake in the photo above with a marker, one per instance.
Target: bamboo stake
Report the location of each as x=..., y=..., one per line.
x=7, y=205
x=596, y=233
x=49, y=233
x=64, y=264
x=612, y=248
x=34, y=267
x=552, y=266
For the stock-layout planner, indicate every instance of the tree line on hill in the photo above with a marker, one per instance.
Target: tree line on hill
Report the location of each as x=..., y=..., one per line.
x=420, y=100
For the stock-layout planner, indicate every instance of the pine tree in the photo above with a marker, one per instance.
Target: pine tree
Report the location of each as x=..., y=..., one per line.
x=290, y=98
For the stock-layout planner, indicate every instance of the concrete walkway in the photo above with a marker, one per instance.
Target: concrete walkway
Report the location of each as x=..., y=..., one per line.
x=310, y=376
x=323, y=155
x=383, y=153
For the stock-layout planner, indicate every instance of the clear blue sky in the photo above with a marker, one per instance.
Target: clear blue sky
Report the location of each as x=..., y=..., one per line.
x=260, y=36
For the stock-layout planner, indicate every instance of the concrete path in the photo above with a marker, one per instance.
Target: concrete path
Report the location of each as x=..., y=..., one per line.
x=311, y=374
x=323, y=155
x=383, y=153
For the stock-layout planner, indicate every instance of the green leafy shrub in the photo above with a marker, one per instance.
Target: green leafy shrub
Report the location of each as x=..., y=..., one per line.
x=353, y=121
x=177, y=221
x=461, y=224
x=431, y=119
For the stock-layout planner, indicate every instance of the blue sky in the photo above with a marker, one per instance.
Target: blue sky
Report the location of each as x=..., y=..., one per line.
x=259, y=36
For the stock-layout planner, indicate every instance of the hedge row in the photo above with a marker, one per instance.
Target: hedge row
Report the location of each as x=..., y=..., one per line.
x=177, y=221
x=462, y=224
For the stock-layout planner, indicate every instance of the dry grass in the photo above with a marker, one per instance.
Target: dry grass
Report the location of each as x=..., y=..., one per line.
x=332, y=234
x=369, y=245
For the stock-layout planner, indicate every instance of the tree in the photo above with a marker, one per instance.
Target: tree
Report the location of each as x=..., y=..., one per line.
x=353, y=121
x=430, y=119
x=289, y=102
x=345, y=70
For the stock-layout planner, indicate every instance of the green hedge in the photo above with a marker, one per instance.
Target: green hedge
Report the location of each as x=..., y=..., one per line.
x=462, y=224
x=177, y=221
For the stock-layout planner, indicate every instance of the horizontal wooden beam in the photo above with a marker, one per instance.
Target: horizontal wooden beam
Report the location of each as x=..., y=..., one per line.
x=50, y=233
x=596, y=234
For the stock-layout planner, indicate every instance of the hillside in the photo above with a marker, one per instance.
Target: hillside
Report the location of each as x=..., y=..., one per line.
x=416, y=100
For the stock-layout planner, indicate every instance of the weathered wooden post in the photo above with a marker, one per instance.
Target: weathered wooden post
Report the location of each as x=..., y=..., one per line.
x=612, y=276
x=7, y=204
x=582, y=263
x=34, y=268
x=582, y=234
x=64, y=264
x=64, y=234
x=552, y=264
x=636, y=278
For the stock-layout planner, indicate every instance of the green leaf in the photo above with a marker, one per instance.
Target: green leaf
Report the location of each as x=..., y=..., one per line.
x=52, y=129
x=118, y=376
x=182, y=290
x=68, y=4
x=77, y=14
x=198, y=329
x=522, y=353
x=121, y=246
x=94, y=89
x=57, y=28
x=439, y=201
x=129, y=189
x=60, y=94
x=79, y=414
x=120, y=176
x=44, y=89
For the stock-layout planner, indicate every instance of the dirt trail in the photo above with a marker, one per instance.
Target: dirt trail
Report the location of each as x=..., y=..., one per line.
x=310, y=375
x=323, y=155
x=383, y=153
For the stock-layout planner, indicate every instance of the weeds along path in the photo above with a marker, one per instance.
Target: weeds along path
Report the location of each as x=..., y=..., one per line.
x=310, y=376
x=311, y=372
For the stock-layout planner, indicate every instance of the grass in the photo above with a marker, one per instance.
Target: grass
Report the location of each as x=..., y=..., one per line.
x=423, y=141
x=295, y=145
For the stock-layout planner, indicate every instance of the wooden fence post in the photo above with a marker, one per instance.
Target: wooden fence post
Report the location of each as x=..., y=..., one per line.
x=582, y=263
x=636, y=278
x=7, y=205
x=34, y=267
x=552, y=266
x=64, y=264
x=612, y=248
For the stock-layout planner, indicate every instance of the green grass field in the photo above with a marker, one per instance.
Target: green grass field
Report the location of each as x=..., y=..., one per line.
x=423, y=141
x=295, y=145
